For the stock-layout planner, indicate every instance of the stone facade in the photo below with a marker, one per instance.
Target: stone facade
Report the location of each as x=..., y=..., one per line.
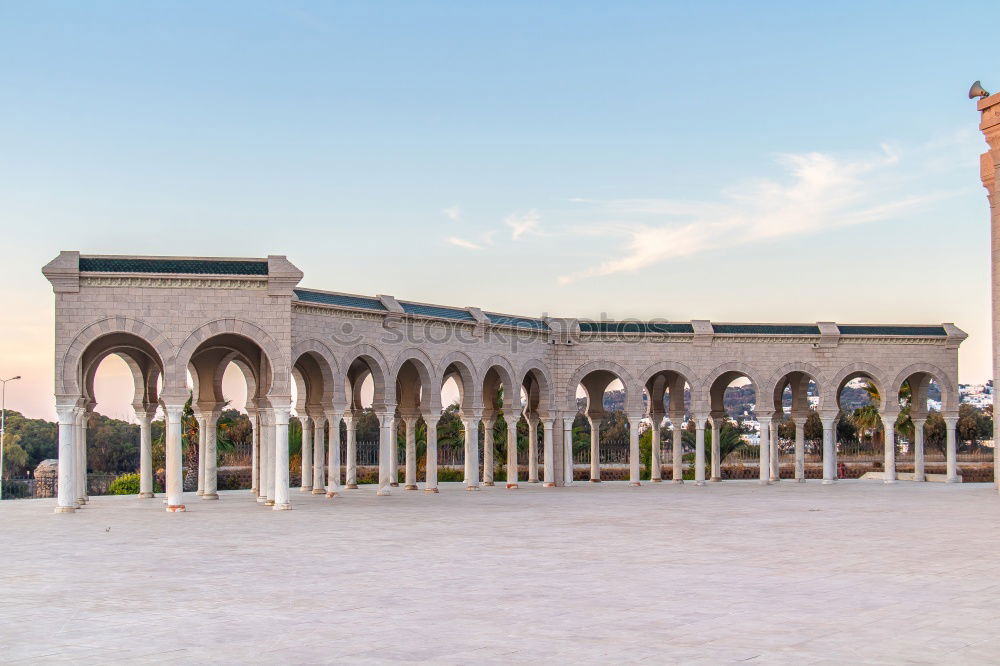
x=171, y=317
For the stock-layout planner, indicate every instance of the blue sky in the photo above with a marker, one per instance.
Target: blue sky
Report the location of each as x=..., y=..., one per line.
x=732, y=161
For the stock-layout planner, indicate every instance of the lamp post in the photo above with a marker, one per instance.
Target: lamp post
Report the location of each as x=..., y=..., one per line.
x=3, y=423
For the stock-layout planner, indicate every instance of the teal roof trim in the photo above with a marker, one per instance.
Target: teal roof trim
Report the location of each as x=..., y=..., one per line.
x=766, y=329
x=914, y=331
x=181, y=266
x=516, y=322
x=633, y=327
x=342, y=300
x=436, y=311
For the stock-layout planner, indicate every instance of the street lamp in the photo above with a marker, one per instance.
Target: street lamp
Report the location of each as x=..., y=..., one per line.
x=3, y=423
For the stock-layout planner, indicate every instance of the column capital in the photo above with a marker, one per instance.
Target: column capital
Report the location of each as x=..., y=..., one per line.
x=173, y=412
x=281, y=415
x=431, y=419
x=304, y=419
x=950, y=421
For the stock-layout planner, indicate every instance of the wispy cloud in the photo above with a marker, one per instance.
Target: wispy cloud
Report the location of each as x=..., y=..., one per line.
x=820, y=192
x=453, y=213
x=523, y=223
x=461, y=242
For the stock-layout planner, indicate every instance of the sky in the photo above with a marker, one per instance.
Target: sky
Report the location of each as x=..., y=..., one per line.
x=771, y=161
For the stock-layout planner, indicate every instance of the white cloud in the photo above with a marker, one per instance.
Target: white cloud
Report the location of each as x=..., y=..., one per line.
x=523, y=223
x=461, y=242
x=821, y=192
x=453, y=213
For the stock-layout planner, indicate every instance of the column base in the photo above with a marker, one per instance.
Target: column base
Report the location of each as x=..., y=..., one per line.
x=595, y=480
x=764, y=482
x=488, y=483
x=282, y=507
x=715, y=479
x=634, y=484
x=677, y=481
x=511, y=486
x=383, y=492
x=430, y=490
x=699, y=483
x=826, y=482
x=199, y=492
x=410, y=486
x=210, y=496
x=261, y=499
x=351, y=486
x=532, y=480
x=81, y=500
x=394, y=484
x=146, y=495
x=549, y=484
x=472, y=487
x=176, y=508
x=656, y=480
x=800, y=480
x=890, y=481
x=331, y=494
x=65, y=509
x=305, y=489
x=269, y=502
x=319, y=491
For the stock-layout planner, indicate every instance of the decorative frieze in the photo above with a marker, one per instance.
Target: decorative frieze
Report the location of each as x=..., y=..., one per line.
x=171, y=282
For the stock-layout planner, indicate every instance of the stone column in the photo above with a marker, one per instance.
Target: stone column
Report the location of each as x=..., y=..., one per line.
x=716, y=418
x=511, y=453
x=352, y=452
x=411, y=452
x=677, y=447
x=431, y=484
x=269, y=435
x=66, y=500
x=254, y=452
x=471, y=452
x=800, y=448
x=532, y=449
x=385, y=467
x=829, y=450
x=548, y=465
x=656, y=463
x=333, y=477
x=951, y=451
x=319, y=454
x=211, y=467
x=175, y=460
x=262, y=456
x=595, y=449
x=81, y=457
x=765, y=449
x=394, y=455
x=634, y=461
x=568, y=450
x=488, y=451
x=699, y=451
x=282, y=501
x=919, y=468
x=145, y=453
x=199, y=417
x=775, y=453
x=889, y=427
x=306, y=454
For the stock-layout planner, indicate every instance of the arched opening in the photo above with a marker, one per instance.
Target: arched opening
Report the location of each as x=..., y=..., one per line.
x=668, y=399
x=797, y=447
x=414, y=398
x=501, y=416
x=859, y=433
x=312, y=395
x=363, y=423
x=744, y=427
x=459, y=428
x=535, y=401
x=928, y=434
x=601, y=430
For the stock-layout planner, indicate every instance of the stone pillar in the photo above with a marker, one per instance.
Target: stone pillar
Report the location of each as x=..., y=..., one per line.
x=394, y=455
x=145, y=453
x=282, y=501
x=548, y=464
x=532, y=449
x=568, y=449
x=829, y=450
x=431, y=484
x=333, y=477
x=765, y=449
x=174, y=459
x=634, y=462
x=488, y=450
x=471, y=452
x=254, y=452
x=385, y=449
x=352, y=452
x=677, y=448
x=889, y=427
x=319, y=453
x=595, y=449
x=411, y=453
x=775, y=453
x=306, y=454
x=800, y=448
x=211, y=467
x=200, y=419
x=81, y=457
x=951, y=451
x=919, y=469
x=717, y=419
x=66, y=502
x=699, y=450
x=656, y=462
x=262, y=456
x=511, y=453
x=269, y=437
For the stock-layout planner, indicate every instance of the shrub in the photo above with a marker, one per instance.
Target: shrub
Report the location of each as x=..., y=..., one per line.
x=14, y=489
x=446, y=474
x=126, y=484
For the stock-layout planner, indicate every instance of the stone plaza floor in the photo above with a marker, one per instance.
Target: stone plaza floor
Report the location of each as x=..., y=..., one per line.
x=857, y=572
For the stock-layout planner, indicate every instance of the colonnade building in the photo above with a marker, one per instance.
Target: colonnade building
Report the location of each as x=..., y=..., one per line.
x=179, y=322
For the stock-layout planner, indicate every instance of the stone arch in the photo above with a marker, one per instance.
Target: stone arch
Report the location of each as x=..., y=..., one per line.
x=948, y=392
x=145, y=371
x=725, y=372
x=430, y=393
x=467, y=372
x=278, y=363
x=831, y=399
x=71, y=376
x=770, y=390
x=379, y=369
x=319, y=371
x=506, y=374
x=539, y=373
x=633, y=403
x=660, y=369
